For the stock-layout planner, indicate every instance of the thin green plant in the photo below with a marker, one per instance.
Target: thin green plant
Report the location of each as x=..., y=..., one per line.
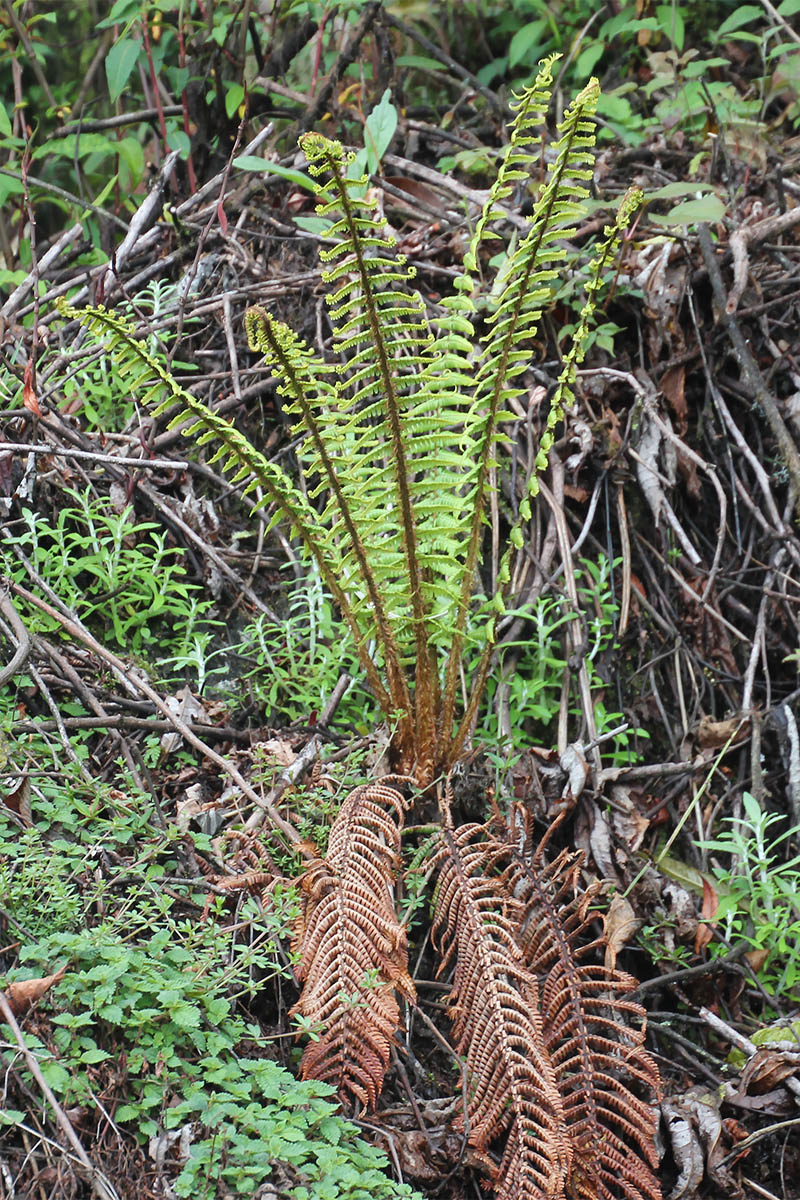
x=759, y=893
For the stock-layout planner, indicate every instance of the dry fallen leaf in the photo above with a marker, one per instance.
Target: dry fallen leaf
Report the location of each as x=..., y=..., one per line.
x=705, y=932
x=697, y=1140
x=713, y=735
x=278, y=750
x=16, y=795
x=29, y=391
x=620, y=925
x=768, y=1069
x=22, y=994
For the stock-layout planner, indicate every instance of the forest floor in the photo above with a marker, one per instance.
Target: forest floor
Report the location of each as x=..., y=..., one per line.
x=162, y=644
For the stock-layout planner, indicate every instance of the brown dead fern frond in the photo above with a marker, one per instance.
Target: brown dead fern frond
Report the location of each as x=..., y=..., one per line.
x=593, y=1035
x=352, y=950
x=509, y=1079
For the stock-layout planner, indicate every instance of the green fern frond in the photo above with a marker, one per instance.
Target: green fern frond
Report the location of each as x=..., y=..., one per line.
x=310, y=391
x=155, y=386
x=563, y=397
x=505, y=353
x=400, y=436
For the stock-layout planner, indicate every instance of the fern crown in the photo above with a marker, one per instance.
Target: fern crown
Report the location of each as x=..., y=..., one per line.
x=401, y=429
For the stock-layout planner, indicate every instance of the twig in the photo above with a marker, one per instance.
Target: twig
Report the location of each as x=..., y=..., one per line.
x=130, y=118
x=336, y=697
x=447, y=184
x=20, y=292
x=776, y=16
x=88, y=698
x=222, y=733
x=138, y=684
x=749, y=367
x=100, y=1185
x=303, y=763
x=757, y=648
x=346, y=57
x=555, y=501
x=20, y=634
x=83, y=205
x=143, y=219
x=737, y=1039
x=168, y=464
x=689, y=974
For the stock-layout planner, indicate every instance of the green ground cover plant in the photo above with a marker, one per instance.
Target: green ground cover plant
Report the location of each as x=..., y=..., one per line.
x=150, y=998
x=759, y=891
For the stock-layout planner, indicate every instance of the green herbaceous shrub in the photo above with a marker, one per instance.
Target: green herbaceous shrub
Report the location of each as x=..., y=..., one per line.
x=147, y=986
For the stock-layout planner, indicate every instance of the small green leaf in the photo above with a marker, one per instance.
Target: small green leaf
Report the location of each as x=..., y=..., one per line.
x=234, y=95
x=690, y=212
x=177, y=139
x=123, y=10
x=249, y=162
x=94, y=1056
x=670, y=190
x=127, y=1112
x=316, y=225
x=525, y=39
x=132, y=154
x=670, y=18
x=120, y=61
x=741, y=16
x=419, y=60
x=379, y=130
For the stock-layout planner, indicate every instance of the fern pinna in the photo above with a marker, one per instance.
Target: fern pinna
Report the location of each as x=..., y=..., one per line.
x=400, y=437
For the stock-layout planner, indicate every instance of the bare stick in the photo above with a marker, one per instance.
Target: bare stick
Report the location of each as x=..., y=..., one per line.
x=749, y=367
x=99, y=1184
x=19, y=632
x=187, y=733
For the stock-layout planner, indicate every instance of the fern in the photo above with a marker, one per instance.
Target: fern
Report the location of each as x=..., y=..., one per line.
x=352, y=948
x=400, y=440
x=593, y=1036
x=509, y=1078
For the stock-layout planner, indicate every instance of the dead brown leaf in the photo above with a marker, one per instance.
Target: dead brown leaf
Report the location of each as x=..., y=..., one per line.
x=16, y=796
x=712, y=735
x=29, y=390
x=22, y=994
x=705, y=932
x=768, y=1069
x=620, y=925
x=673, y=385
